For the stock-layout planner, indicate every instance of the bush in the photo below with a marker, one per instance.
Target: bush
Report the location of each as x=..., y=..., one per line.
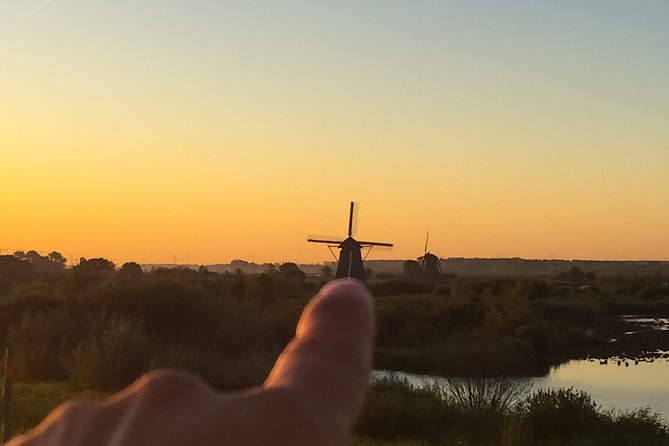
x=114, y=356
x=407, y=287
x=561, y=414
x=396, y=410
x=634, y=427
x=493, y=395
x=224, y=373
x=42, y=343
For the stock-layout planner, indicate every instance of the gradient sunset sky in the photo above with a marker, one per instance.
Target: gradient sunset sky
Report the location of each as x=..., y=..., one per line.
x=215, y=130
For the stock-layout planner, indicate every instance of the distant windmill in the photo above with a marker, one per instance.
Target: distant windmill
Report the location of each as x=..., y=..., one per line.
x=429, y=262
x=350, y=257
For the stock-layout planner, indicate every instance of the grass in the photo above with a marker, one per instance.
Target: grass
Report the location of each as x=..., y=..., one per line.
x=31, y=402
x=397, y=413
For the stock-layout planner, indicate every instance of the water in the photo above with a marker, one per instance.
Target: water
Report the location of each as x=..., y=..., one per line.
x=647, y=322
x=610, y=385
x=614, y=386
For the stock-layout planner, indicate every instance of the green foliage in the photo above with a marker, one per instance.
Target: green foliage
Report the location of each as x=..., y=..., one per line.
x=412, y=269
x=100, y=327
x=233, y=372
x=398, y=413
x=488, y=395
x=639, y=426
x=575, y=309
x=396, y=410
x=114, y=356
x=131, y=271
x=394, y=287
x=13, y=271
x=42, y=343
x=561, y=413
x=31, y=402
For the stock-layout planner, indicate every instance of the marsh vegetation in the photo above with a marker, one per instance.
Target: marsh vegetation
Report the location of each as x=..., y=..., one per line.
x=94, y=328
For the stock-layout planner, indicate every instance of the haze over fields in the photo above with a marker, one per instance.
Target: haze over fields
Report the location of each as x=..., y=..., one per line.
x=213, y=130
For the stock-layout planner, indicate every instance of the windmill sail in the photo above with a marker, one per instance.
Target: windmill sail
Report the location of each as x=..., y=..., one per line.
x=350, y=258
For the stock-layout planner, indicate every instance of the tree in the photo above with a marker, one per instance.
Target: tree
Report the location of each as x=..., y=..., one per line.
x=131, y=270
x=411, y=268
x=51, y=264
x=241, y=265
x=576, y=274
x=57, y=257
x=93, y=267
x=326, y=273
x=203, y=270
x=13, y=270
x=291, y=270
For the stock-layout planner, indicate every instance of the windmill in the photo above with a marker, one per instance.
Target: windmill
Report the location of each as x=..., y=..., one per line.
x=350, y=257
x=429, y=262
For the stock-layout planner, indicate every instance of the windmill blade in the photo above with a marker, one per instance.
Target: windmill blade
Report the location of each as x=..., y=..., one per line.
x=334, y=238
x=427, y=238
x=377, y=248
x=388, y=245
x=353, y=218
x=328, y=242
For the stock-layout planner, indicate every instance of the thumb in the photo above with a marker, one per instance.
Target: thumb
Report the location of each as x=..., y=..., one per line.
x=328, y=362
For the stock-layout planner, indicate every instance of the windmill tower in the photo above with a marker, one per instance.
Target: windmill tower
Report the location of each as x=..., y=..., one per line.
x=429, y=262
x=350, y=251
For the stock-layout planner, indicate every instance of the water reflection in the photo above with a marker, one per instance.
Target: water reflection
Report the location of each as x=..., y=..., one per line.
x=653, y=323
x=614, y=386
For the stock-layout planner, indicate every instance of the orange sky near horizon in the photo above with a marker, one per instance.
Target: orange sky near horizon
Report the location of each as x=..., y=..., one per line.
x=223, y=131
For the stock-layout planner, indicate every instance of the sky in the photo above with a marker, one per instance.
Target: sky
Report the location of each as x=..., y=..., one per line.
x=206, y=131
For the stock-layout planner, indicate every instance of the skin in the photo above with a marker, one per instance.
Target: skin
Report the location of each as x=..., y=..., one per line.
x=311, y=397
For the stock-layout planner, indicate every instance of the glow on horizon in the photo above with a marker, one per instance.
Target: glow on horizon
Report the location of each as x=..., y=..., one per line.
x=214, y=131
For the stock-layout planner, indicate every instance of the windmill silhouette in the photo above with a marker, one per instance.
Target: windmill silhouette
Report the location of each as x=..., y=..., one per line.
x=429, y=262
x=350, y=256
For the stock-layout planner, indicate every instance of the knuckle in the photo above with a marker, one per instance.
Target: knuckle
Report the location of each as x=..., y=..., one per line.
x=73, y=411
x=162, y=385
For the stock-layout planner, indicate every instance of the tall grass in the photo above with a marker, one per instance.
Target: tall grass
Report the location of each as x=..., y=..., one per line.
x=499, y=413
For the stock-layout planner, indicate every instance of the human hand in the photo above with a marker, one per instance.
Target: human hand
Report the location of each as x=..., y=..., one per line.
x=311, y=397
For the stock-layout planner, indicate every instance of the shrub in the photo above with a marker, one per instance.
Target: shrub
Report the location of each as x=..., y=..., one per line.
x=639, y=426
x=115, y=355
x=223, y=373
x=494, y=395
x=42, y=343
x=399, y=286
x=561, y=413
x=397, y=410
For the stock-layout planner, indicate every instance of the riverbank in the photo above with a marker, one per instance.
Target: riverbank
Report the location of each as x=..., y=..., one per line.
x=624, y=338
x=475, y=412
